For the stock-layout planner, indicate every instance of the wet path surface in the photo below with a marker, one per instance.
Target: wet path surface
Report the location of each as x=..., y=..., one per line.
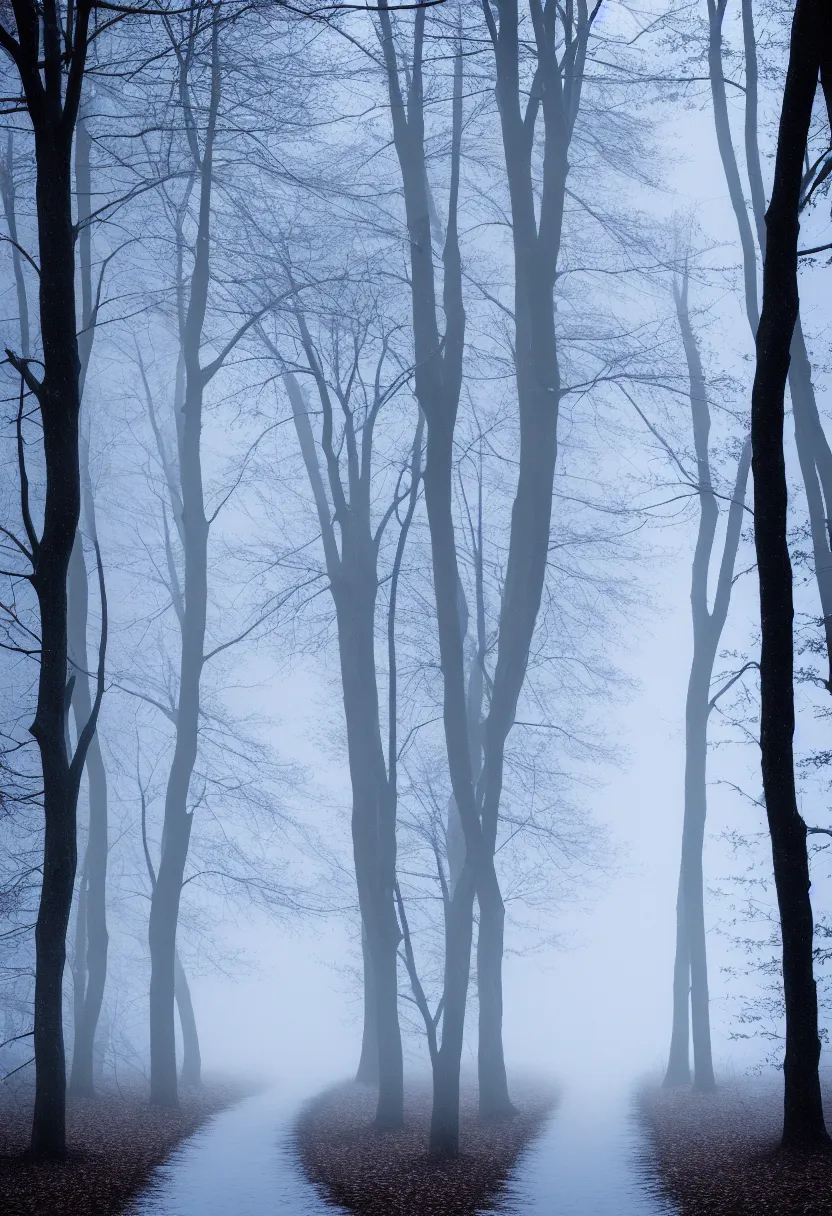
x=239, y=1164
x=587, y=1162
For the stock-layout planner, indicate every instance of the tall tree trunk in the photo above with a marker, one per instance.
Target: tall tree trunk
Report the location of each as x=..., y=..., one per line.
x=693, y=837
x=437, y=384
x=52, y=97
x=811, y=49
x=690, y=973
x=459, y=919
x=164, y=907
x=102, y=1043
x=93, y=924
x=191, y=1075
x=93, y=936
x=813, y=448
x=355, y=596
x=367, y=1072
x=59, y=400
x=816, y=469
x=353, y=576
x=678, y=1060
x=536, y=244
x=194, y=530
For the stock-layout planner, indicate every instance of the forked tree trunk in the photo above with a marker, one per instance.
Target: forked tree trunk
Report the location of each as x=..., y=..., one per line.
x=437, y=385
x=536, y=234
x=810, y=50
x=164, y=906
x=353, y=577
x=690, y=975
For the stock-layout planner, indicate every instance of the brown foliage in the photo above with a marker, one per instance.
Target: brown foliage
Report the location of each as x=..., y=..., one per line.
x=114, y=1143
x=720, y=1153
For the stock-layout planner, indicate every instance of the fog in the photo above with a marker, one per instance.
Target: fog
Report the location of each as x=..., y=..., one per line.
x=415, y=607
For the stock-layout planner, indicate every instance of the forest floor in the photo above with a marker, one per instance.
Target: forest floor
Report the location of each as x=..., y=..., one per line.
x=719, y=1153
x=114, y=1142
x=390, y=1173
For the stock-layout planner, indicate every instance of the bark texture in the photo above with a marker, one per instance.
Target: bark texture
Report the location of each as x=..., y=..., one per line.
x=810, y=51
x=51, y=81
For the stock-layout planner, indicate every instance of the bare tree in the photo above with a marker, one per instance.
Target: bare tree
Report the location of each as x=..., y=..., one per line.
x=50, y=68
x=185, y=476
x=91, y=939
x=810, y=53
x=690, y=977
x=351, y=542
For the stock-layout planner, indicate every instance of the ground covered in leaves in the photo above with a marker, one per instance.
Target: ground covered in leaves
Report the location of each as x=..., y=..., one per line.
x=719, y=1153
x=390, y=1173
x=114, y=1142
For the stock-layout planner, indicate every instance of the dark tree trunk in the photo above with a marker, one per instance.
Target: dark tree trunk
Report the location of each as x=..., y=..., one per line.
x=367, y=1072
x=59, y=400
x=373, y=850
x=191, y=1075
x=459, y=921
x=811, y=49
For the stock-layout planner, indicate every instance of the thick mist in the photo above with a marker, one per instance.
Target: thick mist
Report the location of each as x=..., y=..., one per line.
x=415, y=607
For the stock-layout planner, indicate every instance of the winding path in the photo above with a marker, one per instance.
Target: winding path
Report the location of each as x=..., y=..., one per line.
x=586, y=1163
x=239, y=1164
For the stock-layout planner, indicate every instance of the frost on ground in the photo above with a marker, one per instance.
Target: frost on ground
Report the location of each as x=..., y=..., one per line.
x=716, y=1154
x=390, y=1173
x=114, y=1142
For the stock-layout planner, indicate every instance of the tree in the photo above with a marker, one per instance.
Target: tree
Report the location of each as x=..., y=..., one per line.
x=437, y=385
x=690, y=977
x=554, y=99
x=187, y=500
x=351, y=544
x=91, y=936
x=51, y=76
x=810, y=52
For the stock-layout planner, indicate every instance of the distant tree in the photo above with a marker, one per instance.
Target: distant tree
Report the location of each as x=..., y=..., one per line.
x=690, y=979
x=357, y=377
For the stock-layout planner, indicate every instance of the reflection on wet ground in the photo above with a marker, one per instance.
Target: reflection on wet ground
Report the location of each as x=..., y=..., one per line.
x=589, y=1161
